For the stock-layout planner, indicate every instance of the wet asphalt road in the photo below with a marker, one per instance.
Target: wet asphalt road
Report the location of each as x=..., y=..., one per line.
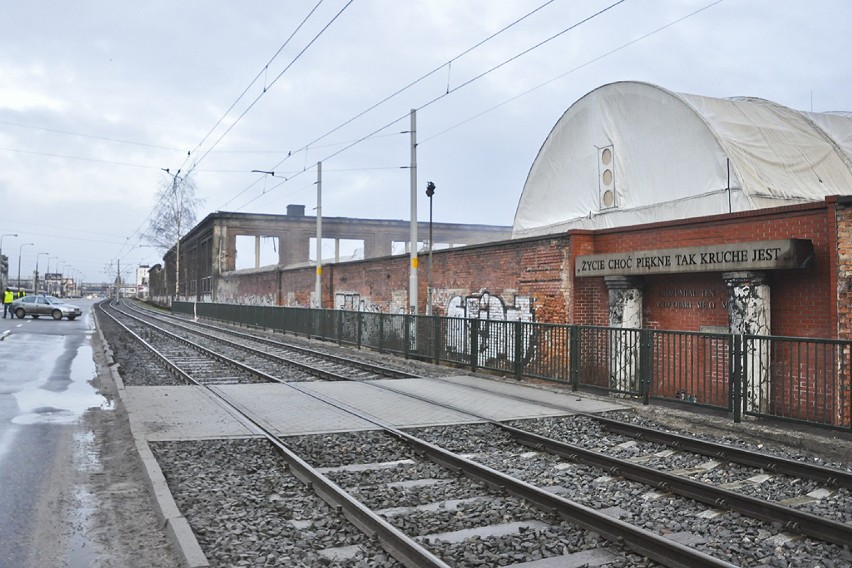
x=45, y=366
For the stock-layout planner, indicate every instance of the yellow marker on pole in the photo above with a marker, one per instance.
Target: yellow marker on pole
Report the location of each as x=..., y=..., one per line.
x=414, y=262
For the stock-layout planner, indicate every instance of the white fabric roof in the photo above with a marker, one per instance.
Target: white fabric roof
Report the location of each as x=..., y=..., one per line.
x=674, y=156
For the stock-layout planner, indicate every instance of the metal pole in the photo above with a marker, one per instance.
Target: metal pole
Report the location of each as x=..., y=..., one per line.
x=177, y=245
x=35, y=280
x=318, y=286
x=179, y=217
x=430, y=191
x=412, y=278
x=20, y=252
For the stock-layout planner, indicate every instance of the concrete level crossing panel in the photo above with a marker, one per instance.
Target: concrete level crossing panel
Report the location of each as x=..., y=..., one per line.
x=394, y=408
x=567, y=401
x=497, y=400
x=288, y=412
x=180, y=413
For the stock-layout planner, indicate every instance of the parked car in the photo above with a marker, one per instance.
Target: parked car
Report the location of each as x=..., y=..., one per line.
x=44, y=305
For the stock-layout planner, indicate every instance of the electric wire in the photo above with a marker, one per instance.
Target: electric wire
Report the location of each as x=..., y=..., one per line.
x=585, y=64
x=94, y=137
x=453, y=90
x=253, y=81
x=418, y=80
x=311, y=145
x=271, y=84
x=266, y=88
x=572, y=70
x=80, y=158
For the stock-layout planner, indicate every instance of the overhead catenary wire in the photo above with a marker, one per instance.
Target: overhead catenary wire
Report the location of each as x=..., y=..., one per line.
x=265, y=90
x=271, y=84
x=419, y=80
x=452, y=90
x=572, y=70
x=312, y=144
x=562, y=75
x=263, y=71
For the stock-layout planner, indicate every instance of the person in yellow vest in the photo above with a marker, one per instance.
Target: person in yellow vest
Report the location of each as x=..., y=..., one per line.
x=8, y=296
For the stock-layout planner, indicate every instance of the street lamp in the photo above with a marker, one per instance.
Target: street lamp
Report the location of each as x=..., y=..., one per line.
x=35, y=282
x=20, y=251
x=430, y=191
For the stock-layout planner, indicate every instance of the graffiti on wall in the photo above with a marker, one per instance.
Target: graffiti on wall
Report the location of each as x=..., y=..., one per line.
x=354, y=302
x=494, y=340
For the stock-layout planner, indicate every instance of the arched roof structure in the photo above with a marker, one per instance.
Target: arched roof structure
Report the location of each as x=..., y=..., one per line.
x=631, y=153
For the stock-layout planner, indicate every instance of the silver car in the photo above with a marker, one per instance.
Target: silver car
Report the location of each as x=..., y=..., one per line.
x=44, y=305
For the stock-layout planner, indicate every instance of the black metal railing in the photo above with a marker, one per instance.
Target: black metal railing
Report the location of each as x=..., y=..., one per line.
x=797, y=379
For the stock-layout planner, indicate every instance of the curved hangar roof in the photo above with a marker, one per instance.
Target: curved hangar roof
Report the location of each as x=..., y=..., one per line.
x=630, y=153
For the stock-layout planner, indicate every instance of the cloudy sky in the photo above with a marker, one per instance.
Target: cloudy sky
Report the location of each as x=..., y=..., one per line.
x=97, y=97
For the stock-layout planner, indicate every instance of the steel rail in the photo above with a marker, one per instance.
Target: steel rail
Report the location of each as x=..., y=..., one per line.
x=775, y=464
x=822, y=474
x=170, y=367
x=794, y=520
x=405, y=549
x=829, y=531
x=321, y=373
x=648, y=544
x=798, y=521
x=377, y=369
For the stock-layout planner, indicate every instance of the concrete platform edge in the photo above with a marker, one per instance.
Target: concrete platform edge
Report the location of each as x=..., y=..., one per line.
x=176, y=526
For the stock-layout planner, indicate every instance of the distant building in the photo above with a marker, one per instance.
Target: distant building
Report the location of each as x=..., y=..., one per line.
x=142, y=281
x=209, y=252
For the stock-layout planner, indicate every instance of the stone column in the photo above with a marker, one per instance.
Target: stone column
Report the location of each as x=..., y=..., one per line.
x=749, y=314
x=625, y=312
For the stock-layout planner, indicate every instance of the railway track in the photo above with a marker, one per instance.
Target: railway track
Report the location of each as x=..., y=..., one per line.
x=411, y=492
x=253, y=348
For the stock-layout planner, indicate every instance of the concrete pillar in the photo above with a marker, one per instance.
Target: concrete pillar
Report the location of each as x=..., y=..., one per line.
x=749, y=314
x=625, y=312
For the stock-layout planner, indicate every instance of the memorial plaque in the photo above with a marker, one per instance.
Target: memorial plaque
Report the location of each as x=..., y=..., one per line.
x=759, y=255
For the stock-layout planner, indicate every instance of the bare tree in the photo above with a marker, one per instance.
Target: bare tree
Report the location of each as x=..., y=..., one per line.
x=174, y=213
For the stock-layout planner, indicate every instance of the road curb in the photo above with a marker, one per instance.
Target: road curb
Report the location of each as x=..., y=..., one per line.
x=173, y=522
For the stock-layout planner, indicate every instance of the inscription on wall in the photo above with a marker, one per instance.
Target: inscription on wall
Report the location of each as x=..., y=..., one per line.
x=761, y=255
x=690, y=299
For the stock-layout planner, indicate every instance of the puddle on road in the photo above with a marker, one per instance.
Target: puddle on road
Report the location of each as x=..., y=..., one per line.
x=66, y=404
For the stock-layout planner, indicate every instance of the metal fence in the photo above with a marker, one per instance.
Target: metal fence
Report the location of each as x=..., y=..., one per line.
x=796, y=379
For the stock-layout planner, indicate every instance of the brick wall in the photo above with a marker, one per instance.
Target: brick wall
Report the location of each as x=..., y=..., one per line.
x=843, y=283
x=542, y=269
x=802, y=301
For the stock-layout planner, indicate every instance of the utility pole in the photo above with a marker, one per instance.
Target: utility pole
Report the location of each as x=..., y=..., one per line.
x=178, y=219
x=412, y=277
x=318, y=290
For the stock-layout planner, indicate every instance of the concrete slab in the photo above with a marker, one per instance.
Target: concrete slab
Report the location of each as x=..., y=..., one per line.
x=188, y=412
x=497, y=400
x=289, y=412
x=179, y=413
x=569, y=402
x=391, y=407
